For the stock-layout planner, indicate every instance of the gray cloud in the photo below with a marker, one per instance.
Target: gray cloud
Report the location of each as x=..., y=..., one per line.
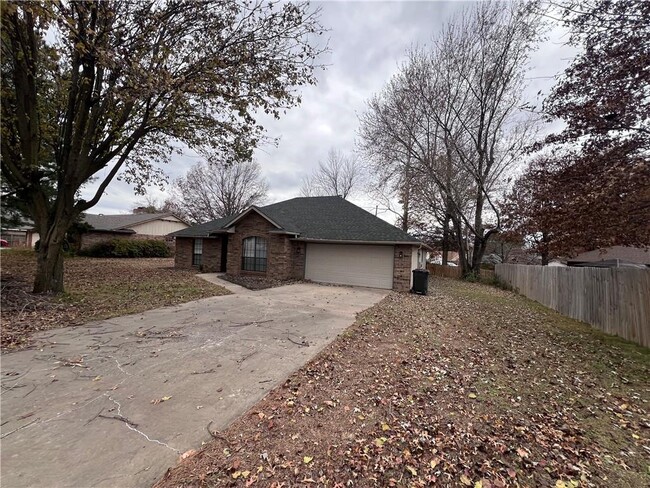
x=368, y=41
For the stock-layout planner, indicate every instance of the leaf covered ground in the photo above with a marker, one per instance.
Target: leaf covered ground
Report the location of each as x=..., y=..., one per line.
x=96, y=288
x=469, y=386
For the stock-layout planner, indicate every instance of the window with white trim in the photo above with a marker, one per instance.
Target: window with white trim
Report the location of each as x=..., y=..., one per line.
x=253, y=256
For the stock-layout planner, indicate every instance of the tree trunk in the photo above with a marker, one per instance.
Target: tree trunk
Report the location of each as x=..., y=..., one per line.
x=544, y=258
x=445, y=241
x=544, y=249
x=462, y=249
x=477, y=255
x=405, y=214
x=49, y=266
x=406, y=194
x=49, y=258
x=479, y=242
x=448, y=207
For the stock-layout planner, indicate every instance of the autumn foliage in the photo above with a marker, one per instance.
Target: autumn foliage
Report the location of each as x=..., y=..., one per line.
x=593, y=190
x=98, y=91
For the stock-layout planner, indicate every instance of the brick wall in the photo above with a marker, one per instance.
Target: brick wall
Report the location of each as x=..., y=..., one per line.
x=285, y=258
x=279, y=266
x=298, y=260
x=402, y=268
x=280, y=260
x=211, y=254
x=184, y=249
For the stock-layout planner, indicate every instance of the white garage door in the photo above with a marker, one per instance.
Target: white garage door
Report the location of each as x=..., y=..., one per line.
x=350, y=264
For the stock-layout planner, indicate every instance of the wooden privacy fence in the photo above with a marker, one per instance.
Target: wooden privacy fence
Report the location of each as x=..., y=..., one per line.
x=446, y=271
x=453, y=271
x=615, y=300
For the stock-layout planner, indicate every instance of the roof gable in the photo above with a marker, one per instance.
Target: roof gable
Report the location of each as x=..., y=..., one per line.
x=246, y=212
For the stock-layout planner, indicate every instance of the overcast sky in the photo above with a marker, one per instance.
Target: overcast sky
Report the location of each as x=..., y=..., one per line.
x=368, y=41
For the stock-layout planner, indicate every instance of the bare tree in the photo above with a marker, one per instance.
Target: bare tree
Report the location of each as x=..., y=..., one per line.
x=455, y=110
x=213, y=190
x=402, y=140
x=339, y=175
x=390, y=161
x=479, y=65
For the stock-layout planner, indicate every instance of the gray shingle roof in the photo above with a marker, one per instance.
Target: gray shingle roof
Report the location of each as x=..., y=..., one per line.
x=318, y=218
x=203, y=230
x=120, y=222
x=631, y=254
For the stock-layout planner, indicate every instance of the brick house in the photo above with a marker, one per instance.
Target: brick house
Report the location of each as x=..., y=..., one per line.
x=323, y=239
x=155, y=226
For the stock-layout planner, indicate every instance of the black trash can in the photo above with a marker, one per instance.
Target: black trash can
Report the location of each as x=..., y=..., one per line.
x=420, y=281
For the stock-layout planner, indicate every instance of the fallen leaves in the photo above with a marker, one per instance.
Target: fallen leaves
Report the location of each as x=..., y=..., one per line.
x=464, y=479
x=470, y=386
x=160, y=400
x=241, y=474
x=567, y=484
x=188, y=454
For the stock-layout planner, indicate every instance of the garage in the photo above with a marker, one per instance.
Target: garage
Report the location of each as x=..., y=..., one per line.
x=358, y=265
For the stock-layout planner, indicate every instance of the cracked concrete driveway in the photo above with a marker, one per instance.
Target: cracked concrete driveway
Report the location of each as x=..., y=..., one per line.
x=114, y=403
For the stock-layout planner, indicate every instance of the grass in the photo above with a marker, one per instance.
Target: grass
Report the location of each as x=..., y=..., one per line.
x=95, y=289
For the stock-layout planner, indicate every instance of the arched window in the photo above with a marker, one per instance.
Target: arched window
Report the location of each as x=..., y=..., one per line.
x=253, y=256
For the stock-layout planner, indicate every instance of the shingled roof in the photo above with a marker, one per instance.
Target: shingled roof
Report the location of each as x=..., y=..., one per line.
x=314, y=219
x=120, y=223
x=204, y=230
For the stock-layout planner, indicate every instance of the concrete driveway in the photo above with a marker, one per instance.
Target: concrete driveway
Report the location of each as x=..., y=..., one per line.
x=115, y=403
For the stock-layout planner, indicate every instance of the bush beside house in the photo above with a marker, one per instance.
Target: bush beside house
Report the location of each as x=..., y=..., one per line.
x=128, y=248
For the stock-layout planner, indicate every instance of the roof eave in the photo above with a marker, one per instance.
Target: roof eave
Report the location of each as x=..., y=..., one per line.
x=157, y=217
x=115, y=231
x=352, y=241
x=221, y=231
x=284, y=232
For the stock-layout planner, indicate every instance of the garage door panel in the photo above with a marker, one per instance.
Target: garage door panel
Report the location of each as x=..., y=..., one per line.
x=358, y=265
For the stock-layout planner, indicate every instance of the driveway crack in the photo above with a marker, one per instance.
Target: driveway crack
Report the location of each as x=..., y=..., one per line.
x=130, y=426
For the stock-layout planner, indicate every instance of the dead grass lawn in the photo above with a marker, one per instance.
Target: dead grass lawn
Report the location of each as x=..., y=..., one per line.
x=95, y=289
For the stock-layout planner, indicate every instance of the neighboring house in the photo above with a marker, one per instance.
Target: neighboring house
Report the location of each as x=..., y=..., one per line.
x=435, y=257
x=20, y=236
x=130, y=226
x=612, y=257
x=323, y=239
x=501, y=247
x=519, y=255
